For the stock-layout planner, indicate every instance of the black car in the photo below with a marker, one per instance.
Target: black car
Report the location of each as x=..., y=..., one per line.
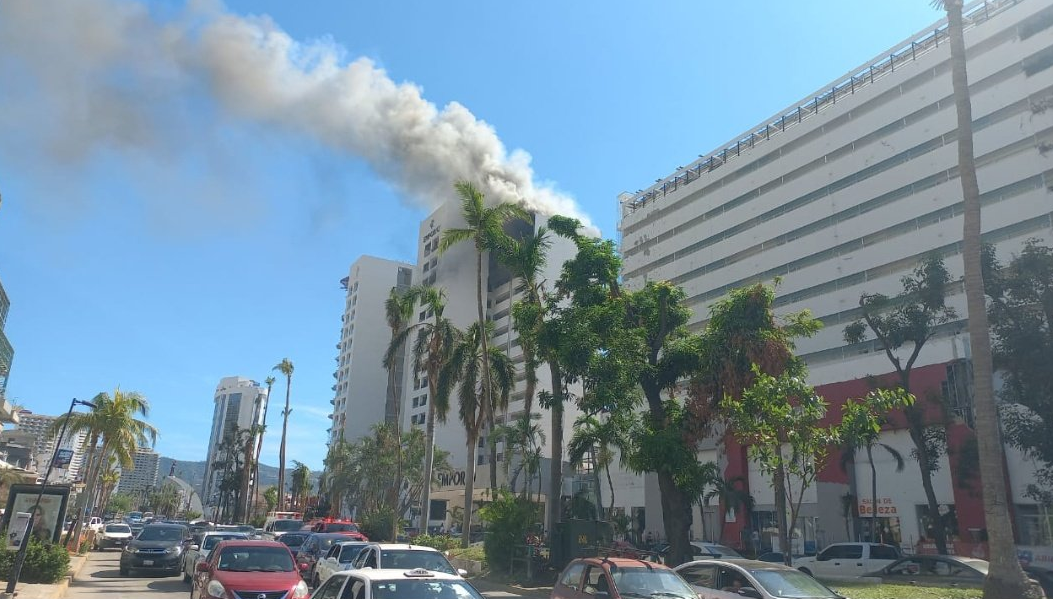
x=294, y=540
x=158, y=547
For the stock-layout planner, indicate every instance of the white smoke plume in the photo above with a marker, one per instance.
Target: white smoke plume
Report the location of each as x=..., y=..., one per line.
x=91, y=77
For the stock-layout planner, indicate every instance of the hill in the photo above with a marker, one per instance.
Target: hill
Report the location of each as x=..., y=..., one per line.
x=194, y=472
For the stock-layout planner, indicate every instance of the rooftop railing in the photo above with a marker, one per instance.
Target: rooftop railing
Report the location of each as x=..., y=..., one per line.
x=909, y=51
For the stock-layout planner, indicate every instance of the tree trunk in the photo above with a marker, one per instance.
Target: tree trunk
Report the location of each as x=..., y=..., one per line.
x=429, y=455
x=281, y=449
x=241, y=510
x=939, y=531
x=469, y=490
x=397, y=424
x=1005, y=577
x=259, y=451
x=553, y=506
x=780, y=509
x=702, y=520
x=873, y=494
x=484, y=343
x=675, y=504
x=88, y=494
x=610, y=484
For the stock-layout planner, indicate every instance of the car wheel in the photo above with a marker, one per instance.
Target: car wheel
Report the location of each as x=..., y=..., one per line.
x=806, y=571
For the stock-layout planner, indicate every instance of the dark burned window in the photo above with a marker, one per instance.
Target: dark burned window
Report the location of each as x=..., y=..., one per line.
x=1038, y=62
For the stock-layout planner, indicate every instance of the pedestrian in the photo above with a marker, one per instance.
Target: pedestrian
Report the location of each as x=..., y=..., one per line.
x=649, y=541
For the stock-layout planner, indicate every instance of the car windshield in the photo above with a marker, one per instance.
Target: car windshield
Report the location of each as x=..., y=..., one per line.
x=212, y=540
x=423, y=589
x=292, y=539
x=160, y=533
x=409, y=559
x=349, y=553
x=246, y=558
x=341, y=527
x=791, y=584
x=648, y=582
x=118, y=528
x=721, y=551
x=287, y=525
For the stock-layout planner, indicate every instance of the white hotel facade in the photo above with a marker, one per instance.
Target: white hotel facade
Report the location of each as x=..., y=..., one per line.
x=846, y=192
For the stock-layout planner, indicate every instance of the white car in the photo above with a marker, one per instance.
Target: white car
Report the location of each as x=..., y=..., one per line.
x=201, y=548
x=395, y=584
x=337, y=559
x=112, y=535
x=402, y=556
x=737, y=578
x=842, y=561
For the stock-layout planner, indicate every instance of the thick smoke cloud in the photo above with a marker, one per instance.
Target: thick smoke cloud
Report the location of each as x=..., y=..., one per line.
x=107, y=77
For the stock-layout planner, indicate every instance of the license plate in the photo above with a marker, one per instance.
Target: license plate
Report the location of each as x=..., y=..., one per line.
x=148, y=562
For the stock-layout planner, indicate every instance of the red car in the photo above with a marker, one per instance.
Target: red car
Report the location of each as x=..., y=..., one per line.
x=345, y=527
x=619, y=578
x=256, y=569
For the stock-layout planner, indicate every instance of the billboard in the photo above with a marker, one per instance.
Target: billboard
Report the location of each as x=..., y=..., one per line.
x=50, y=514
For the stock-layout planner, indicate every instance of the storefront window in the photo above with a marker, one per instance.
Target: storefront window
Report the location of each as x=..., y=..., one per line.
x=1034, y=524
x=947, y=517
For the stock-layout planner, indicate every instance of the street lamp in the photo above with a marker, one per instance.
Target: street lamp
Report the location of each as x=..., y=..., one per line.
x=20, y=558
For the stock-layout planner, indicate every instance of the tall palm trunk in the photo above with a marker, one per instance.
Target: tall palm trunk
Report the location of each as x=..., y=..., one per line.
x=281, y=449
x=555, y=490
x=88, y=494
x=469, y=487
x=485, y=343
x=398, y=461
x=1005, y=577
x=259, y=448
x=241, y=510
x=429, y=458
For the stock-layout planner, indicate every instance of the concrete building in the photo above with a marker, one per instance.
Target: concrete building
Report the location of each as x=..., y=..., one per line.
x=844, y=193
x=7, y=355
x=455, y=272
x=361, y=379
x=143, y=475
x=38, y=427
x=240, y=403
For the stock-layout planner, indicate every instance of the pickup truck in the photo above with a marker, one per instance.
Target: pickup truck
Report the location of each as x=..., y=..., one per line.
x=848, y=560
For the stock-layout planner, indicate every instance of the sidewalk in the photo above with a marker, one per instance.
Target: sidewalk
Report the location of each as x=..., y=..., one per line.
x=48, y=591
x=500, y=590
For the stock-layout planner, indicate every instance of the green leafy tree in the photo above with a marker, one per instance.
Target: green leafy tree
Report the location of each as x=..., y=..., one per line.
x=780, y=419
x=485, y=229
x=120, y=503
x=466, y=370
x=861, y=422
x=301, y=484
x=1005, y=577
x=398, y=309
x=286, y=368
x=523, y=437
x=598, y=440
x=1021, y=311
x=905, y=323
x=270, y=496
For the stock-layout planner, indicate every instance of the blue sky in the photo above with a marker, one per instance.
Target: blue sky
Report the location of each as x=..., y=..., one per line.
x=161, y=267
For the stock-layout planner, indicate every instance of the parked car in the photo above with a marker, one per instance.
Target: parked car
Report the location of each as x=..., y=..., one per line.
x=394, y=584
x=775, y=557
x=248, y=569
x=314, y=548
x=158, y=547
x=848, y=560
x=701, y=550
x=737, y=578
x=345, y=526
x=400, y=556
x=619, y=578
x=337, y=559
x=201, y=547
x=1043, y=577
x=113, y=535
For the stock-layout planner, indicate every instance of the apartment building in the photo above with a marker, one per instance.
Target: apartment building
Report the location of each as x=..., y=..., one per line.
x=842, y=194
x=361, y=386
x=143, y=475
x=39, y=426
x=239, y=404
x=7, y=355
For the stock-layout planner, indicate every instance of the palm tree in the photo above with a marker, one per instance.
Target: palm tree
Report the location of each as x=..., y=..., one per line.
x=270, y=496
x=336, y=477
x=485, y=228
x=525, y=436
x=285, y=367
x=431, y=352
x=1005, y=577
x=526, y=259
x=594, y=438
x=398, y=309
x=466, y=366
x=730, y=493
x=269, y=381
x=867, y=444
x=301, y=484
x=114, y=421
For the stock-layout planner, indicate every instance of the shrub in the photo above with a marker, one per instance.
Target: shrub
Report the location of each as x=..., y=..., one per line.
x=508, y=517
x=377, y=524
x=440, y=542
x=45, y=563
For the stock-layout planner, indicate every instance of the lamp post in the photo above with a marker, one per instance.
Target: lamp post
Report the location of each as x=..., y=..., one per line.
x=20, y=558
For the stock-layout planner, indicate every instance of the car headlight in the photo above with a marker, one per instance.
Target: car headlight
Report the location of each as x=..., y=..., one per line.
x=215, y=588
x=175, y=549
x=300, y=591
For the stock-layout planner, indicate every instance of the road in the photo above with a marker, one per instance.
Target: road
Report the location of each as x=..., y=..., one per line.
x=99, y=579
